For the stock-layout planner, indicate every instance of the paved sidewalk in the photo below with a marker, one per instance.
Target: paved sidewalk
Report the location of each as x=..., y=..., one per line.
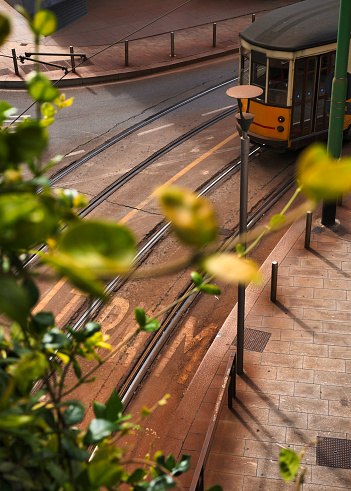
x=294, y=390
x=149, y=49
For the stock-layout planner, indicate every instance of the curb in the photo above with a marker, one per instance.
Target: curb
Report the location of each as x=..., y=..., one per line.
x=118, y=76
x=195, y=394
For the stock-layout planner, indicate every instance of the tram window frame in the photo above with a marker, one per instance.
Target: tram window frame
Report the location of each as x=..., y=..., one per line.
x=278, y=81
x=259, y=63
x=245, y=62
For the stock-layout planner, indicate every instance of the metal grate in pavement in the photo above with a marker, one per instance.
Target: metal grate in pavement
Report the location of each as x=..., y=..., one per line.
x=334, y=452
x=254, y=340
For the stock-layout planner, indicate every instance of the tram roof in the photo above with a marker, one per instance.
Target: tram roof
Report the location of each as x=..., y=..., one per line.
x=295, y=27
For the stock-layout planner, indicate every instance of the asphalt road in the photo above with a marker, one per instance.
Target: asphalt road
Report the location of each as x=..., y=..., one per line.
x=100, y=111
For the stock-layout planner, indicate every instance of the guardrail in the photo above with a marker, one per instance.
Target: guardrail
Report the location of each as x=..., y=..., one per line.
x=228, y=386
x=28, y=54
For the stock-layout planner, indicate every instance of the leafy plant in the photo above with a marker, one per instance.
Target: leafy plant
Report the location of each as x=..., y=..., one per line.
x=41, y=447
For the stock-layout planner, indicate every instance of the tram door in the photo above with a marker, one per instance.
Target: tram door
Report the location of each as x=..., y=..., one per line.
x=309, y=113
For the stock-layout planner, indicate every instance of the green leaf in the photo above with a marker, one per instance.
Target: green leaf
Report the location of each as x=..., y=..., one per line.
x=25, y=220
x=321, y=176
x=44, y=23
x=277, y=221
x=41, y=321
x=47, y=109
x=215, y=488
x=10, y=421
x=182, y=466
x=77, y=368
x=27, y=142
x=6, y=109
x=99, y=410
x=90, y=329
x=5, y=28
x=231, y=268
x=79, y=275
x=151, y=325
x=136, y=476
x=74, y=414
x=161, y=483
x=55, y=339
x=289, y=464
x=197, y=278
x=210, y=289
x=140, y=316
x=105, y=248
x=193, y=218
x=104, y=474
x=170, y=462
x=32, y=291
x=30, y=368
x=14, y=301
x=40, y=88
x=98, y=430
x=73, y=451
x=114, y=407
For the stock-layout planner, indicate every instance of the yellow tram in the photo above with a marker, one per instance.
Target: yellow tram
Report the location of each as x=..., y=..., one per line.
x=290, y=54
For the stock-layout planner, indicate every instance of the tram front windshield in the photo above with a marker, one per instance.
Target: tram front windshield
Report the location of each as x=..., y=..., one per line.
x=254, y=67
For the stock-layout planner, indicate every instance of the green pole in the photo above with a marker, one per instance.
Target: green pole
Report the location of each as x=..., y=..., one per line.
x=338, y=98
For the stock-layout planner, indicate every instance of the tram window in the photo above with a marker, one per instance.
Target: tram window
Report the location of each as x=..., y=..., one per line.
x=244, y=67
x=278, y=77
x=258, y=71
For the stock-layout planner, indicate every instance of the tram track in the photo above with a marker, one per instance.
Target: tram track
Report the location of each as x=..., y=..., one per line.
x=155, y=343
x=67, y=169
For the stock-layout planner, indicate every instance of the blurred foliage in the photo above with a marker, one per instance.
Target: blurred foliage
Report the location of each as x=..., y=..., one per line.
x=41, y=447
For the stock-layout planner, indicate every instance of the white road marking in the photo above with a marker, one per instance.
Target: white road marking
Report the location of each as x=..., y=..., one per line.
x=155, y=129
x=217, y=110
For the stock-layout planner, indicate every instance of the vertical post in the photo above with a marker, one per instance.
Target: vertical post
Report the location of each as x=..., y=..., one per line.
x=253, y=17
x=126, y=57
x=73, y=63
x=214, y=40
x=172, y=44
x=308, y=229
x=245, y=147
x=338, y=98
x=14, y=57
x=274, y=281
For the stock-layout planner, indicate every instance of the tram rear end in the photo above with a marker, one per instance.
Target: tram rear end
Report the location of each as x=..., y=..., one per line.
x=290, y=54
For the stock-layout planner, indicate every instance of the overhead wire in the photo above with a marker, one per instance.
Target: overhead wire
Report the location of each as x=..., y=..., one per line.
x=100, y=51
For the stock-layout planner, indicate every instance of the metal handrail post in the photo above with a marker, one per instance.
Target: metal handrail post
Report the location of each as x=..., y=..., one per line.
x=126, y=53
x=214, y=41
x=308, y=229
x=253, y=17
x=73, y=63
x=15, y=64
x=274, y=281
x=172, y=44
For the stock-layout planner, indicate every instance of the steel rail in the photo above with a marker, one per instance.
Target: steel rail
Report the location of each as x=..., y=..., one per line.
x=57, y=176
x=151, y=243
x=127, y=176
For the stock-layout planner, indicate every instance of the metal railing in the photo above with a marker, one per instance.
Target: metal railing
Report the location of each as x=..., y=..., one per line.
x=28, y=54
x=228, y=386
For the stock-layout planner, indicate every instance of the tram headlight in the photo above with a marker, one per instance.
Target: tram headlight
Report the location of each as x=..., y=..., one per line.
x=280, y=129
x=281, y=119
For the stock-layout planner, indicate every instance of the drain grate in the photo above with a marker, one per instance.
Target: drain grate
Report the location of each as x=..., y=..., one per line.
x=254, y=340
x=334, y=452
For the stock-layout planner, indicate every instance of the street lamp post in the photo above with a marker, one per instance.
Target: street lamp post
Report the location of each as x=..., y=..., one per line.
x=244, y=120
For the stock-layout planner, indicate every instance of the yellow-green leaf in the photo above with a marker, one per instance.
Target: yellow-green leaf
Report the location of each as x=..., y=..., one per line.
x=193, y=218
x=44, y=23
x=102, y=247
x=5, y=28
x=232, y=268
x=321, y=176
x=277, y=221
